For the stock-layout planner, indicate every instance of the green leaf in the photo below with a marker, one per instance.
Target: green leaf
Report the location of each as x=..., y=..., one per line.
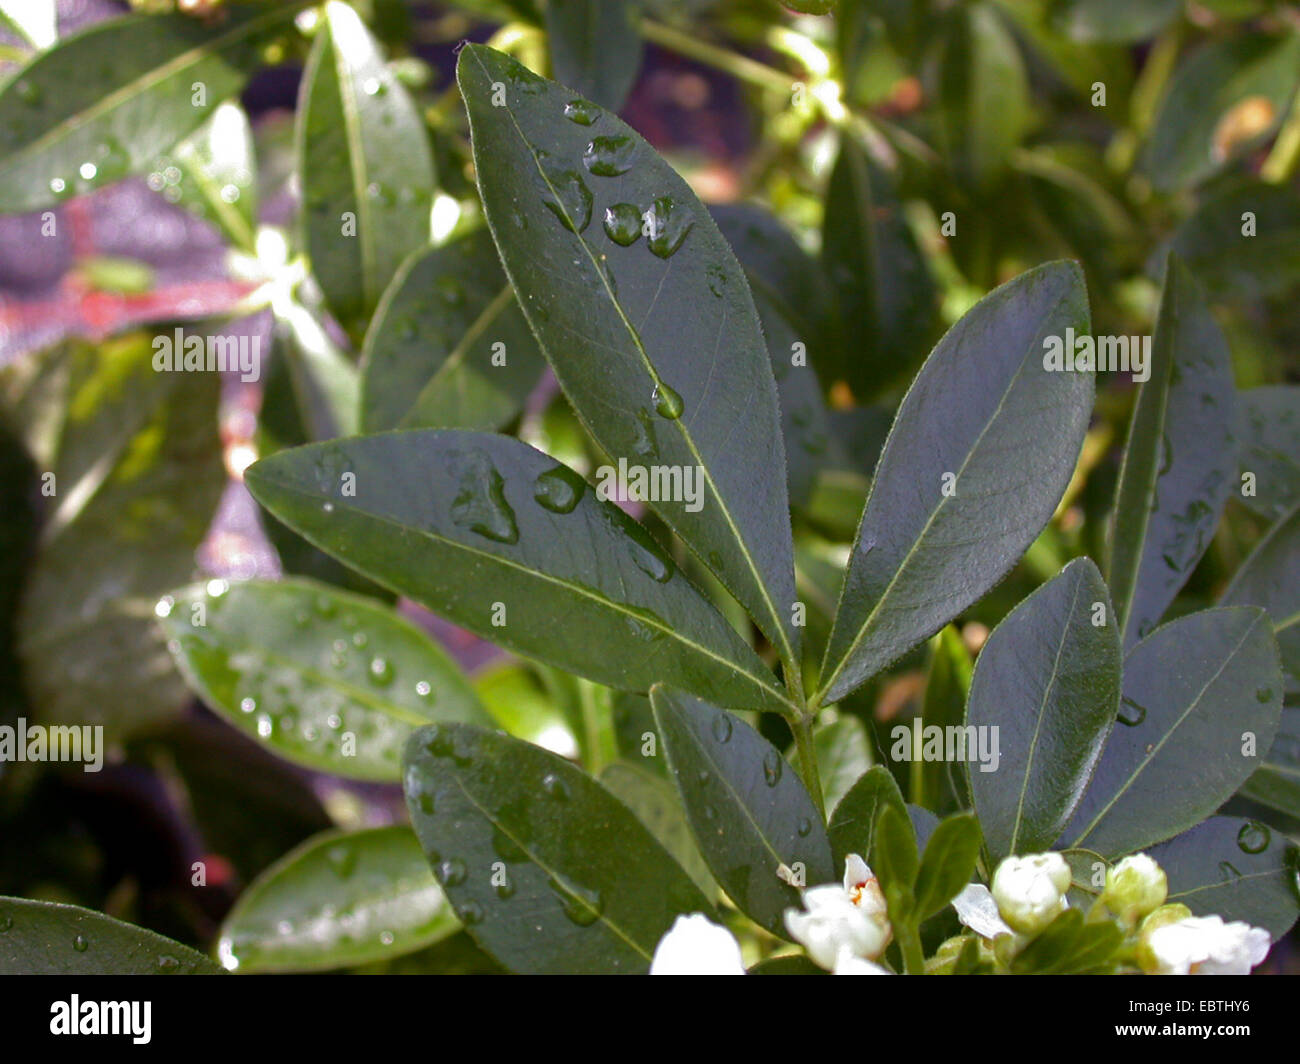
x=1220, y=102
x=1179, y=460
x=1233, y=264
x=46, y=938
x=843, y=756
x=947, y=864
x=218, y=174
x=109, y=100
x=470, y=524
x=137, y=477
x=655, y=802
x=431, y=357
x=1048, y=681
x=897, y=857
x=747, y=807
x=1192, y=690
x=595, y=47
x=1069, y=946
x=1270, y=578
x=339, y=899
x=303, y=667
x=546, y=869
x=1234, y=868
x=1114, y=20
x=1268, y=440
x=365, y=167
x=517, y=701
x=943, y=784
x=987, y=420
x=983, y=95
x=853, y=822
x=657, y=344
x=1276, y=783
x=884, y=292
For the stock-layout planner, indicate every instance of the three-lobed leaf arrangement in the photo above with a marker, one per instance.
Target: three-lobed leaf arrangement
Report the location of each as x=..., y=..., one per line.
x=675, y=336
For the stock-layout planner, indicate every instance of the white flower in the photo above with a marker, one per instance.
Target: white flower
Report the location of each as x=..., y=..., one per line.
x=1134, y=887
x=978, y=911
x=1205, y=945
x=1030, y=890
x=847, y=964
x=842, y=920
x=694, y=945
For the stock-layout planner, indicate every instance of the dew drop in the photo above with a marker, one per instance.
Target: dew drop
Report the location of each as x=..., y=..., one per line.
x=167, y=963
x=555, y=787
x=451, y=873
x=609, y=156
x=559, y=489
x=386, y=938
x=1254, y=837
x=424, y=689
x=504, y=889
x=1131, y=713
x=567, y=196
x=582, y=906
x=80, y=944
x=470, y=913
x=343, y=859
x=264, y=728
x=721, y=728
x=381, y=672
x=668, y=403
x=247, y=705
x=667, y=225
x=581, y=112
x=804, y=827
x=27, y=92
x=88, y=171
x=772, y=768
x=623, y=224
x=480, y=504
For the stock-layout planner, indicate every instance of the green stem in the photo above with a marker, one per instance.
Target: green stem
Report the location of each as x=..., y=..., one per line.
x=909, y=942
x=803, y=738
x=739, y=66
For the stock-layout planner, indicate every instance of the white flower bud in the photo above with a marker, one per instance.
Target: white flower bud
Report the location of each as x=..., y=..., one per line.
x=851, y=918
x=694, y=945
x=1135, y=887
x=1030, y=891
x=1202, y=945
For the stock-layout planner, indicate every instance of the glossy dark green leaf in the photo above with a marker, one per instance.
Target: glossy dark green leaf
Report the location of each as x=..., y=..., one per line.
x=883, y=289
x=656, y=804
x=853, y=821
x=645, y=315
x=137, y=477
x=1244, y=241
x=1270, y=578
x=777, y=267
x=546, y=869
x=333, y=681
x=747, y=807
x=340, y=899
x=108, y=101
x=1268, y=442
x=365, y=167
x=218, y=170
x=595, y=47
x=47, y=938
x=448, y=347
x=947, y=863
x=1069, y=946
x=1276, y=783
x=943, y=784
x=1179, y=461
x=810, y=446
x=983, y=94
x=1114, y=20
x=1234, y=868
x=1221, y=100
x=981, y=450
x=897, y=860
x=1199, y=692
x=1048, y=680
x=505, y=541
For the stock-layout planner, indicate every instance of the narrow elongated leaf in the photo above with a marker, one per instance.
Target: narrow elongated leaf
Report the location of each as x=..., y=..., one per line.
x=1200, y=695
x=595, y=47
x=448, y=347
x=330, y=680
x=1220, y=102
x=1114, y=20
x=1069, y=945
x=219, y=174
x=980, y=453
x=843, y=756
x=947, y=864
x=339, y=899
x=108, y=101
x=47, y=938
x=747, y=807
x=506, y=542
x=1276, y=783
x=365, y=166
x=1048, y=680
x=1268, y=438
x=645, y=316
x=137, y=477
x=546, y=869
x=853, y=822
x=943, y=784
x=1270, y=578
x=1234, y=868
x=1179, y=460
x=885, y=295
